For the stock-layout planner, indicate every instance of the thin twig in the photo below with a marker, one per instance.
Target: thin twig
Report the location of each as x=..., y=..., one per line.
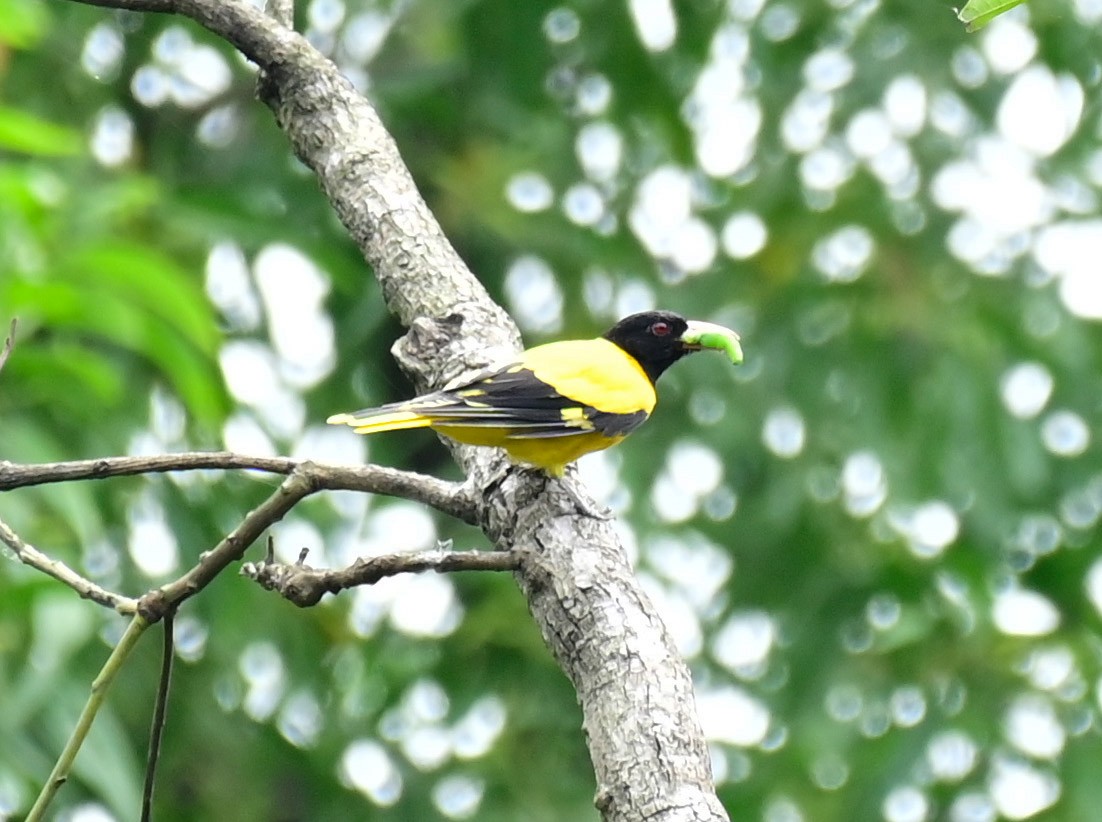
x=17, y=475
x=158, y=602
x=447, y=497
x=5, y=352
x=305, y=479
x=160, y=708
x=305, y=586
x=100, y=684
x=29, y=555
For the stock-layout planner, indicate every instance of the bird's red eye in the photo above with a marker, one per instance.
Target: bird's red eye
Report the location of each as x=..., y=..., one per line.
x=660, y=329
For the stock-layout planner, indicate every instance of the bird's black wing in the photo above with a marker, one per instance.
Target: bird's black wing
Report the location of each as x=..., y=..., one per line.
x=514, y=398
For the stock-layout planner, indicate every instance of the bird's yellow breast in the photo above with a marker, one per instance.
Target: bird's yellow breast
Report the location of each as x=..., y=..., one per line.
x=552, y=454
x=596, y=373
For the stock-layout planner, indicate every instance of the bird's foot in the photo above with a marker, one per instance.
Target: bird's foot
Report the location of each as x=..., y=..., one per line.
x=573, y=488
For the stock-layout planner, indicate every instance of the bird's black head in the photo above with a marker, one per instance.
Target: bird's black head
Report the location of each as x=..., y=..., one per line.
x=653, y=339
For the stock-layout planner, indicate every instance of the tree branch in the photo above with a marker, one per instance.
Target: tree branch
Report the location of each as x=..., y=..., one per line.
x=160, y=709
x=156, y=603
x=100, y=684
x=29, y=555
x=305, y=586
x=643, y=732
x=449, y=498
x=305, y=479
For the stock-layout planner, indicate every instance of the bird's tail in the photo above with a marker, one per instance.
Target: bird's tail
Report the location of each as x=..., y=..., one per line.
x=373, y=420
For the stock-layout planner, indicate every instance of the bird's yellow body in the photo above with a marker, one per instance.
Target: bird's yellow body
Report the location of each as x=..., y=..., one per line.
x=595, y=372
x=559, y=401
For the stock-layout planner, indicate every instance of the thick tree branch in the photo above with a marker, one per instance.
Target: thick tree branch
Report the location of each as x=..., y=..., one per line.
x=449, y=498
x=305, y=586
x=649, y=753
x=29, y=555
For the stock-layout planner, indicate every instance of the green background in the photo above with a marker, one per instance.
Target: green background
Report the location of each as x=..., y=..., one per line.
x=900, y=672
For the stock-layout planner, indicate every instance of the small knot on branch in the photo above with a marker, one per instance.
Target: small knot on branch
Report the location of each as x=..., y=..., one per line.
x=298, y=583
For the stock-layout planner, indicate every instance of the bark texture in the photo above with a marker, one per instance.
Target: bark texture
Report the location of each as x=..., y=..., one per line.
x=645, y=740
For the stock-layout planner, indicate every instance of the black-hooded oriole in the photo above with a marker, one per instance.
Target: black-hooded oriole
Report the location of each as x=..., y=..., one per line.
x=560, y=400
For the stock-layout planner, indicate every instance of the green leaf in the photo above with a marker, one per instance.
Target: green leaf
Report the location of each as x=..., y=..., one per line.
x=128, y=322
x=28, y=134
x=52, y=373
x=152, y=281
x=978, y=13
x=22, y=22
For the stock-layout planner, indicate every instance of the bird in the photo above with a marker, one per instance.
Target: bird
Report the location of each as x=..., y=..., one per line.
x=560, y=400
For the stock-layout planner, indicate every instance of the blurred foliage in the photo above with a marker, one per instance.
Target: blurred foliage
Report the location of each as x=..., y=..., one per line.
x=888, y=590
x=978, y=13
